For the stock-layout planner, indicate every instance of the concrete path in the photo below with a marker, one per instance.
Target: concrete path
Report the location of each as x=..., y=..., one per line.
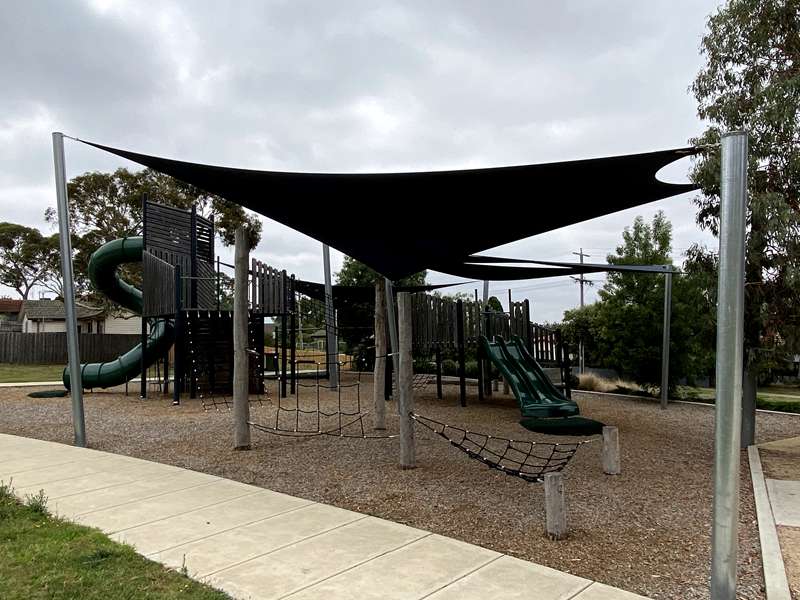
x=255, y=543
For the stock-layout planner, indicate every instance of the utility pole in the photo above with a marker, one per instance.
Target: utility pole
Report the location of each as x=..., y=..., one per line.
x=581, y=281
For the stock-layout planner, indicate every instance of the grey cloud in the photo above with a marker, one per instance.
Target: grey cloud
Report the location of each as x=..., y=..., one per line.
x=351, y=86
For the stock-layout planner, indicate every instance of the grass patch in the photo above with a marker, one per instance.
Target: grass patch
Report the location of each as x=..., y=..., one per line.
x=764, y=400
x=45, y=557
x=27, y=373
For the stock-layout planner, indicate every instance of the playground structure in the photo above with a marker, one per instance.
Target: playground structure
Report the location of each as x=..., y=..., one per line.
x=180, y=303
x=595, y=190
x=181, y=307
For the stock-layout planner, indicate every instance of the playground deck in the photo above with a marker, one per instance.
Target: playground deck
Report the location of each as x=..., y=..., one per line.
x=256, y=543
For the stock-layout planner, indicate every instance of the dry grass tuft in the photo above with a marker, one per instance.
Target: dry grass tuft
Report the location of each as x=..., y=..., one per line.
x=594, y=383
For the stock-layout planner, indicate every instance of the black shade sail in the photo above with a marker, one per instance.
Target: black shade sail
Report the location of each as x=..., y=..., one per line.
x=358, y=293
x=402, y=223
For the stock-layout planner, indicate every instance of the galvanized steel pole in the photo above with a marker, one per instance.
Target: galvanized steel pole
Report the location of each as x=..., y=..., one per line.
x=665, y=339
x=730, y=340
x=71, y=322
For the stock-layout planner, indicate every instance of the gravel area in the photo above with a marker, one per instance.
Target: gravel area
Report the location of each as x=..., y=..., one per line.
x=647, y=530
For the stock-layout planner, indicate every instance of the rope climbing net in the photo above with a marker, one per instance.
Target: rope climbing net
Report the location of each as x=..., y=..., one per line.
x=527, y=460
x=331, y=412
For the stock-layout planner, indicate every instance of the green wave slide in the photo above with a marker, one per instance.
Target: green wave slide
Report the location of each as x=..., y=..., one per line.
x=104, y=277
x=536, y=394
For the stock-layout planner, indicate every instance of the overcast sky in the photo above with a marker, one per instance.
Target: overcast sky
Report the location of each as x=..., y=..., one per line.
x=355, y=86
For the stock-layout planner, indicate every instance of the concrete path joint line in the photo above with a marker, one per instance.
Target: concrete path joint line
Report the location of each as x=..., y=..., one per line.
x=580, y=591
x=188, y=487
x=462, y=576
x=247, y=560
x=253, y=522
x=351, y=567
x=143, y=477
x=187, y=512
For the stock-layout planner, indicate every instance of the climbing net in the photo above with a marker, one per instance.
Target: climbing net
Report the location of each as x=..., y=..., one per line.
x=527, y=460
x=210, y=398
x=331, y=412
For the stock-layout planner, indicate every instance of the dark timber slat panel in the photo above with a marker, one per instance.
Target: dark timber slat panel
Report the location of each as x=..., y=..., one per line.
x=51, y=347
x=208, y=345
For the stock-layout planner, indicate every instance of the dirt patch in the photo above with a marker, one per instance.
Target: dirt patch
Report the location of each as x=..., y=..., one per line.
x=789, y=538
x=781, y=459
x=647, y=530
x=780, y=465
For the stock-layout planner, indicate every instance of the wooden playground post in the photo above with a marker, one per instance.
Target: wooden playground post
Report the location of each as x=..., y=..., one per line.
x=241, y=402
x=379, y=372
x=439, y=394
x=284, y=337
x=405, y=377
x=177, y=385
x=462, y=358
x=555, y=506
x=611, y=459
x=292, y=336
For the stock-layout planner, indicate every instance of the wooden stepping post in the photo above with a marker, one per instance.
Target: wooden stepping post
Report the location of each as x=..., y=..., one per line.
x=611, y=460
x=555, y=506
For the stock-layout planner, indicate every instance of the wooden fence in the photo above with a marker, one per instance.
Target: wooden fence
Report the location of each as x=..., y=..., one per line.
x=51, y=348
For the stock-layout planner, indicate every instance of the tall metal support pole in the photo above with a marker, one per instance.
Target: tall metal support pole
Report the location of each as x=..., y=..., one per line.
x=393, y=335
x=331, y=346
x=241, y=361
x=665, y=340
x=71, y=322
x=730, y=340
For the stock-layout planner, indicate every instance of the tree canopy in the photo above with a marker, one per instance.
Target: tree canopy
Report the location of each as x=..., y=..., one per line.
x=28, y=258
x=106, y=206
x=751, y=81
x=624, y=329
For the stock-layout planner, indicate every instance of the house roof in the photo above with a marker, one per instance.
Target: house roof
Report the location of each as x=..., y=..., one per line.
x=54, y=310
x=9, y=305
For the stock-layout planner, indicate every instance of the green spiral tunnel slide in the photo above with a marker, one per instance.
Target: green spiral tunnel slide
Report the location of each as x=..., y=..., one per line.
x=104, y=277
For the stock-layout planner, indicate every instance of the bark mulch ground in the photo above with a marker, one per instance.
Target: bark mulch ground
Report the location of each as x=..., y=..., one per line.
x=646, y=530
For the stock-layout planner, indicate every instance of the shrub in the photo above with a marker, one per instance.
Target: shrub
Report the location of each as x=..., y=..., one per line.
x=37, y=502
x=449, y=367
x=780, y=405
x=471, y=369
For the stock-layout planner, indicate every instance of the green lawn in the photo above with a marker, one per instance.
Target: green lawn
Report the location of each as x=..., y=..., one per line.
x=45, y=557
x=25, y=373
x=781, y=398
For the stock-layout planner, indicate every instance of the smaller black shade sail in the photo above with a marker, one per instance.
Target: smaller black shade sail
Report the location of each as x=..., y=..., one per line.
x=496, y=262
x=402, y=223
x=494, y=272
